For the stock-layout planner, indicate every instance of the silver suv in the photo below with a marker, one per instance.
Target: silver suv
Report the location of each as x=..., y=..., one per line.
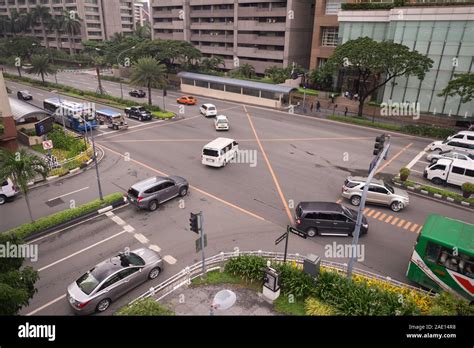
x=379, y=193
x=150, y=193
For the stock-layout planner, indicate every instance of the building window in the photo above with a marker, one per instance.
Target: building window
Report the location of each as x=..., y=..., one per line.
x=321, y=62
x=333, y=7
x=329, y=36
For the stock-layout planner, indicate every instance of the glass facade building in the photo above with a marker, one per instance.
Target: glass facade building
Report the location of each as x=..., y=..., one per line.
x=445, y=34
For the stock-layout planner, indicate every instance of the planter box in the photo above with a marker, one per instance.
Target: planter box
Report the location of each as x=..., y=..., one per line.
x=467, y=204
x=424, y=192
x=411, y=188
x=449, y=199
x=437, y=195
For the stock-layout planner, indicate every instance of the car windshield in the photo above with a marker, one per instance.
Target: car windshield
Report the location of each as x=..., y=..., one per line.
x=211, y=108
x=388, y=187
x=210, y=152
x=222, y=120
x=127, y=259
x=347, y=211
x=141, y=109
x=88, y=282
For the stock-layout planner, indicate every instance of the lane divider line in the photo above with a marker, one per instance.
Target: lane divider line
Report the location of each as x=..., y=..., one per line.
x=393, y=158
x=46, y=305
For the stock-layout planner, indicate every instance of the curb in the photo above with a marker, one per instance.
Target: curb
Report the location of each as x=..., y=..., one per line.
x=75, y=220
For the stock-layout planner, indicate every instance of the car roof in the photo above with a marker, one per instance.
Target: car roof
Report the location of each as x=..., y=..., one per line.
x=219, y=143
x=456, y=162
x=108, y=112
x=321, y=206
x=364, y=179
x=208, y=105
x=144, y=184
x=464, y=133
x=221, y=116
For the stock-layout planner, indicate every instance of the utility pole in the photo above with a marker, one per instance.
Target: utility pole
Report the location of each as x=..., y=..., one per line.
x=196, y=225
x=381, y=148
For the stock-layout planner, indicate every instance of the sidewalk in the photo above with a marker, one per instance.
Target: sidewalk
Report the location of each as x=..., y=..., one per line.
x=197, y=301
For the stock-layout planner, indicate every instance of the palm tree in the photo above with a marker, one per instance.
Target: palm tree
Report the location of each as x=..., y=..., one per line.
x=143, y=31
x=99, y=62
x=26, y=22
x=41, y=14
x=150, y=73
x=14, y=22
x=3, y=26
x=40, y=65
x=22, y=167
x=57, y=24
x=72, y=26
x=246, y=70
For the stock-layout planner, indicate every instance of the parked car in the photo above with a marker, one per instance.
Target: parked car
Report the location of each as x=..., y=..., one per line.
x=208, y=110
x=434, y=157
x=138, y=112
x=379, y=192
x=463, y=135
x=188, y=100
x=138, y=93
x=221, y=123
x=450, y=171
x=464, y=146
x=112, y=278
x=24, y=95
x=327, y=218
x=149, y=193
x=7, y=191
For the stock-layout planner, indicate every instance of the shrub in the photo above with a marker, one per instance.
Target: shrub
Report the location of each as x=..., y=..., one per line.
x=46, y=222
x=367, y=6
x=404, y=173
x=294, y=282
x=146, y=307
x=249, y=267
x=316, y=307
x=59, y=171
x=161, y=114
x=2, y=128
x=428, y=131
x=448, y=304
x=72, y=164
x=467, y=189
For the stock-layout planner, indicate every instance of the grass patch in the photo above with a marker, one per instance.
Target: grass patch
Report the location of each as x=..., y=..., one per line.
x=364, y=122
x=217, y=277
x=284, y=306
x=46, y=222
x=112, y=78
x=161, y=114
x=308, y=91
x=146, y=307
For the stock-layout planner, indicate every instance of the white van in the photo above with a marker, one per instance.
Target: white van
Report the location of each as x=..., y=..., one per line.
x=219, y=152
x=451, y=171
x=208, y=110
x=7, y=190
x=464, y=146
x=463, y=135
x=221, y=123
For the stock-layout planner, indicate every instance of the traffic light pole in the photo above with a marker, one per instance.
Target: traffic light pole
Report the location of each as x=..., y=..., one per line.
x=201, y=231
x=360, y=214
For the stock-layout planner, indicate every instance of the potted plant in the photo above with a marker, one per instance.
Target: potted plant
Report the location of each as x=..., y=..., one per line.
x=467, y=189
x=404, y=173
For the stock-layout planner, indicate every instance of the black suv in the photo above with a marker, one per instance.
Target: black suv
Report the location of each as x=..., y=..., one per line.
x=137, y=93
x=327, y=218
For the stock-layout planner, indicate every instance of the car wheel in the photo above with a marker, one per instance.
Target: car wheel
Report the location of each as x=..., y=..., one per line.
x=183, y=191
x=155, y=272
x=437, y=181
x=396, y=206
x=3, y=199
x=355, y=200
x=103, y=305
x=140, y=118
x=434, y=160
x=115, y=127
x=437, y=149
x=312, y=232
x=153, y=205
x=225, y=163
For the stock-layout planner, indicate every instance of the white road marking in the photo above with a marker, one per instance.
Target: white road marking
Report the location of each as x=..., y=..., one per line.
x=118, y=220
x=425, y=162
x=109, y=214
x=414, y=160
x=81, y=251
x=141, y=238
x=155, y=248
x=67, y=194
x=128, y=228
x=46, y=305
x=416, y=171
x=170, y=259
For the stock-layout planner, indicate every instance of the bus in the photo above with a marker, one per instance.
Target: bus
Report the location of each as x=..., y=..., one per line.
x=443, y=257
x=72, y=112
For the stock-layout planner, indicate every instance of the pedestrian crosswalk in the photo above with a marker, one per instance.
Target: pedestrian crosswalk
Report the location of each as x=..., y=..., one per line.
x=393, y=220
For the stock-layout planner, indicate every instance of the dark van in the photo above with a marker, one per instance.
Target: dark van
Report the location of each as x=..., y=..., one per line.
x=327, y=218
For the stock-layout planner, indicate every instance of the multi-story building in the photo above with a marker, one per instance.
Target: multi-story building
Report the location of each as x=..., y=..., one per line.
x=262, y=33
x=100, y=19
x=444, y=33
x=141, y=12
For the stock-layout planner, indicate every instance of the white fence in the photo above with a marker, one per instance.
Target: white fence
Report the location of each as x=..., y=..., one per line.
x=216, y=262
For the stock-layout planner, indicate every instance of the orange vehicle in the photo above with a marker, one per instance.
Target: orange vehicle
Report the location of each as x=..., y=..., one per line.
x=187, y=100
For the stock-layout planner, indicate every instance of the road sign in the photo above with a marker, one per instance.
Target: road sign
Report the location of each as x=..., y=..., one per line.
x=47, y=144
x=199, y=244
x=44, y=126
x=297, y=232
x=282, y=237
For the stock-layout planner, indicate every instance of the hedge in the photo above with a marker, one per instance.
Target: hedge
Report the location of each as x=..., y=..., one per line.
x=46, y=222
x=161, y=114
x=2, y=128
x=146, y=307
x=367, y=6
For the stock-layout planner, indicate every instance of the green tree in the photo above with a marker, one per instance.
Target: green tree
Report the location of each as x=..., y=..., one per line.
x=40, y=65
x=143, y=31
x=22, y=167
x=374, y=64
x=277, y=74
x=211, y=64
x=41, y=14
x=99, y=63
x=462, y=86
x=148, y=72
x=17, y=283
x=56, y=23
x=322, y=78
x=245, y=70
x=72, y=26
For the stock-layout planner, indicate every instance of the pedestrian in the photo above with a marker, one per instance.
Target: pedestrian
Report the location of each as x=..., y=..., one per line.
x=356, y=96
x=318, y=106
x=345, y=111
x=311, y=107
x=332, y=98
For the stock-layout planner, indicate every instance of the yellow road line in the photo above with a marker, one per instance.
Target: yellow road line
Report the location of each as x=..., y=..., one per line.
x=366, y=210
x=193, y=187
x=394, y=158
x=382, y=217
x=401, y=223
x=371, y=213
x=413, y=228
x=419, y=229
x=408, y=224
x=275, y=180
x=376, y=214
x=395, y=221
x=390, y=217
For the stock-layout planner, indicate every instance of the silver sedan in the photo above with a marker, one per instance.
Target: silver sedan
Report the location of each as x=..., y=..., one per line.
x=112, y=278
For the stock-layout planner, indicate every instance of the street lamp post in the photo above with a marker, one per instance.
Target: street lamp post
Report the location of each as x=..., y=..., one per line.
x=118, y=62
x=99, y=186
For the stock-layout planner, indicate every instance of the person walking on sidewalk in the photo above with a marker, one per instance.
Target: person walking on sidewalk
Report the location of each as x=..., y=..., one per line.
x=345, y=111
x=318, y=106
x=311, y=107
x=332, y=98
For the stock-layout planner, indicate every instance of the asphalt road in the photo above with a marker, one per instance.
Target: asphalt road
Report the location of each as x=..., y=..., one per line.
x=247, y=205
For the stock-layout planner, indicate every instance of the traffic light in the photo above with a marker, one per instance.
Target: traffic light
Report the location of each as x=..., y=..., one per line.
x=379, y=143
x=165, y=93
x=193, y=223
